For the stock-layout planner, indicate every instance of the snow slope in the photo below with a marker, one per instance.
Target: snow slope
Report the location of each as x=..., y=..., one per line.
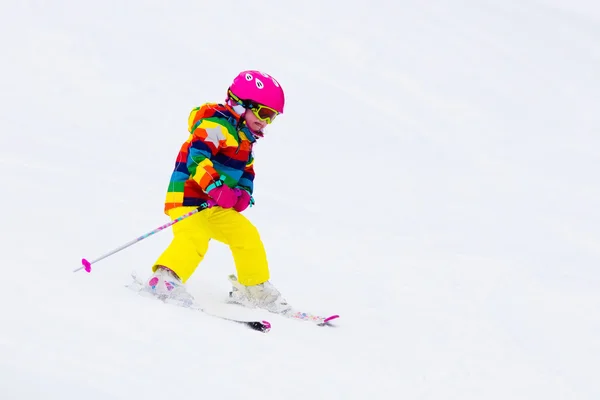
x=434, y=180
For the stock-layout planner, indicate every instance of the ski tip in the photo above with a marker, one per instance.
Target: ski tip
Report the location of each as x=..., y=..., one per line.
x=326, y=321
x=86, y=265
x=266, y=325
x=331, y=318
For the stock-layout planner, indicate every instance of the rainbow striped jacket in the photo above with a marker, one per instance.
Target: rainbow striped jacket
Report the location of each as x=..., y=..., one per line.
x=214, y=150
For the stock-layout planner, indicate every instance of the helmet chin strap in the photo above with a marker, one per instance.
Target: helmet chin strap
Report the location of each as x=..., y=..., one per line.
x=241, y=111
x=242, y=126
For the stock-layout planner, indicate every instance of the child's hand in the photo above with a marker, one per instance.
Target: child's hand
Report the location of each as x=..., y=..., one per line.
x=243, y=201
x=223, y=195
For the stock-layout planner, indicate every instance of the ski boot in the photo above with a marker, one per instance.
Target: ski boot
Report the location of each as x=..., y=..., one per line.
x=166, y=285
x=263, y=295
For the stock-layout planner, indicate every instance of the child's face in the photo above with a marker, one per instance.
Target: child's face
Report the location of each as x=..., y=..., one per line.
x=253, y=122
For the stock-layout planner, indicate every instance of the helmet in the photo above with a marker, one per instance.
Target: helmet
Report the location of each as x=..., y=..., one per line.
x=260, y=88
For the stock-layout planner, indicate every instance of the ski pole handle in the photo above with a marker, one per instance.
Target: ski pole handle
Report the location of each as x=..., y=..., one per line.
x=87, y=265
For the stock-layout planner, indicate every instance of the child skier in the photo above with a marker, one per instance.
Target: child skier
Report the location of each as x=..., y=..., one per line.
x=215, y=167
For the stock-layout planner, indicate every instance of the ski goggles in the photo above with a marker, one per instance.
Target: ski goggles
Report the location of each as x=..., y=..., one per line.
x=263, y=113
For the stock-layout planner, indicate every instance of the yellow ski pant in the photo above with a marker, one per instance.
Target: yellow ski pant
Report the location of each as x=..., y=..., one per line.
x=192, y=235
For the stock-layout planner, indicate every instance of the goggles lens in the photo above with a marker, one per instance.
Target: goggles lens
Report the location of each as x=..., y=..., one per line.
x=263, y=113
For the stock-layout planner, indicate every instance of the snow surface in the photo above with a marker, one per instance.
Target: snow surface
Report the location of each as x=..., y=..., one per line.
x=434, y=180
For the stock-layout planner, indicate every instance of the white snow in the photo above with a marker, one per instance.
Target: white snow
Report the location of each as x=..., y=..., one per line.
x=434, y=180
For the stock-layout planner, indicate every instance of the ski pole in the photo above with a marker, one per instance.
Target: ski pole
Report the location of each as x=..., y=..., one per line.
x=87, y=265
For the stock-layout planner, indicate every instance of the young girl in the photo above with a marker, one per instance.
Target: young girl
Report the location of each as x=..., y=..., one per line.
x=215, y=167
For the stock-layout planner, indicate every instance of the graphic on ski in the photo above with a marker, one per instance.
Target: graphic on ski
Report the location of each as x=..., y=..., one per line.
x=138, y=286
x=303, y=316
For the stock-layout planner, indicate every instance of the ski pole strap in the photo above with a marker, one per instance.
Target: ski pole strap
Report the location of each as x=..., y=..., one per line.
x=219, y=182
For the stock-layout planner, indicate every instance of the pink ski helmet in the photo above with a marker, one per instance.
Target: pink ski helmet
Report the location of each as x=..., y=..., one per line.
x=258, y=87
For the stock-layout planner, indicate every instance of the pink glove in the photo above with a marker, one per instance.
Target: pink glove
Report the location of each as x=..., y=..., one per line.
x=223, y=195
x=243, y=201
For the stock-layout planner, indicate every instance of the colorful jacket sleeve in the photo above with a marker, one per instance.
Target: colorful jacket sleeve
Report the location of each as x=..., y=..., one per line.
x=206, y=140
x=247, y=179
